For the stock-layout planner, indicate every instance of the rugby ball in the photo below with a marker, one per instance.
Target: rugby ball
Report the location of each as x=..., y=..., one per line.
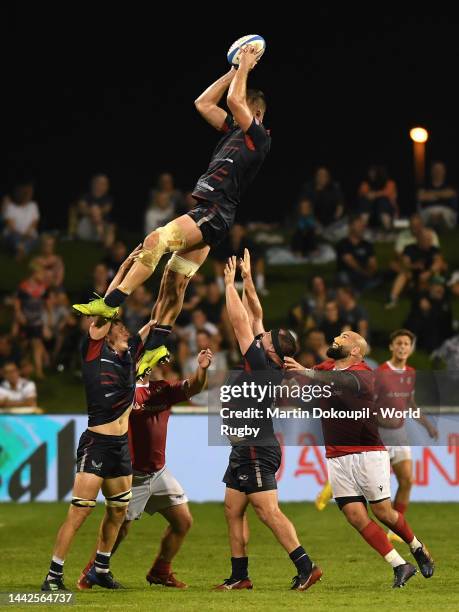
x=251, y=39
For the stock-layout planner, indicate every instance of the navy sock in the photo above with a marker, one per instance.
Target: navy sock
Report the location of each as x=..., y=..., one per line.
x=102, y=562
x=158, y=336
x=301, y=560
x=56, y=570
x=239, y=568
x=115, y=298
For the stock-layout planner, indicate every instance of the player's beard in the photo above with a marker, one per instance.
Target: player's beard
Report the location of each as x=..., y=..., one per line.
x=337, y=352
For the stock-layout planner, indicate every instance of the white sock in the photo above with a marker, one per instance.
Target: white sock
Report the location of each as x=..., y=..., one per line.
x=394, y=558
x=415, y=544
x=260, y=281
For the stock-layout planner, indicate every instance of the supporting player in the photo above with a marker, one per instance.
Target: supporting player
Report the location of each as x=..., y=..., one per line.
x=251, y=474
x=234, y=163
x=394, y=387
x=358, y=463
x=103, y=460
x=154, y=488
x=395, y=382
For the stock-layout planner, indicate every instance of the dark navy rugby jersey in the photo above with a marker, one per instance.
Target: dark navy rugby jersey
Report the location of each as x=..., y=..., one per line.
x=109, y=378
x=235, y=162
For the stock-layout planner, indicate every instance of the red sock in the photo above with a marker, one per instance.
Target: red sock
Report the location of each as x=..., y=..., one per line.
x=161, y=567
x=377, y=538
x=402, y=529
x=401, y=508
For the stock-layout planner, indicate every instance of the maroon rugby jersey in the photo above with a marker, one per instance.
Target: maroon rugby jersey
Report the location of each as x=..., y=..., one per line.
x=148, y=428
x=354, y=436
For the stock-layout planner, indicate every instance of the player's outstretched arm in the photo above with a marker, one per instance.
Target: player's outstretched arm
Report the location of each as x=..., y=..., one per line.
x=237, y=94
x=236, y=312
x=198, y=380
x=145, y=330
x=341, y=379
x=100, y=327
x=249, y=296
x=207, y=102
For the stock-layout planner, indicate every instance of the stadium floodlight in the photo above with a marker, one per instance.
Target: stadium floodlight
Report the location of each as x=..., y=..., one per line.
x=419, y=134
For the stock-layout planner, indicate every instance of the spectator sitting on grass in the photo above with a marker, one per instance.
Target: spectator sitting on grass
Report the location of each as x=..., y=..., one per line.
x=325, y=196
x=55, y=315
x=160, y=211
x=378, y=198
x=94, y=228
x=438, y=201
x=165, y=186
x=29, y=306
x=332, y=324
x=355, y=258
x=431, y=316
x=52, y=264
x=21, y=216
x=408, y=237
x=352, y=313
x=16, y=391
x=420, y=262
x=310, y=311
x=304, y=239
x=100, y=282
x=90, y=216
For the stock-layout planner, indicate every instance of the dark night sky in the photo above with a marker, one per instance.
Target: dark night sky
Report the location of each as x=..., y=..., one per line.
x=112, y=90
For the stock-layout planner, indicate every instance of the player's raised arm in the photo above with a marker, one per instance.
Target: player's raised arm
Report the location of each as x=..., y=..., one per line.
x=236, y=312
x=100, y=327
x=207, y=102
x=237, y=94
x=198, y=380
x=249, y=297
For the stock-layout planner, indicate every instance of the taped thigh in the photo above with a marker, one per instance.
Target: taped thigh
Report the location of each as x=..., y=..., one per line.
x=119, y=500
x=179, y=264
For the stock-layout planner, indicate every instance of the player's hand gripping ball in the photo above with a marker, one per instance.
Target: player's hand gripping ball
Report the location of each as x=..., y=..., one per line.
x=255, y=40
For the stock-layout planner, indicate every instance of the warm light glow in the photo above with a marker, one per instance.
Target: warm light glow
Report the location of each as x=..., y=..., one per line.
x=419, y=134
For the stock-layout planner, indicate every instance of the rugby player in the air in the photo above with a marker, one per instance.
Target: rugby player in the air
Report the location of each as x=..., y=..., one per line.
x=235, y=161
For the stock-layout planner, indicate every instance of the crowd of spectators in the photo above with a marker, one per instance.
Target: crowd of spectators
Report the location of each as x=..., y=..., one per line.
x=44, y=332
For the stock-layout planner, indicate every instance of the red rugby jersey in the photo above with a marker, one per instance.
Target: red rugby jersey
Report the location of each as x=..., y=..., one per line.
x=147, y=428
x=394, y=388
x=353, y=436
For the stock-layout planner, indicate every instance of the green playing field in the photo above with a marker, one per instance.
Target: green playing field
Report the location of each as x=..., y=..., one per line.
x=355, y=577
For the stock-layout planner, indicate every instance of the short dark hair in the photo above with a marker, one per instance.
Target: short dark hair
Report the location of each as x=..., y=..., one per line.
x=256, y=96
x=287, y=343
x=402, y=332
